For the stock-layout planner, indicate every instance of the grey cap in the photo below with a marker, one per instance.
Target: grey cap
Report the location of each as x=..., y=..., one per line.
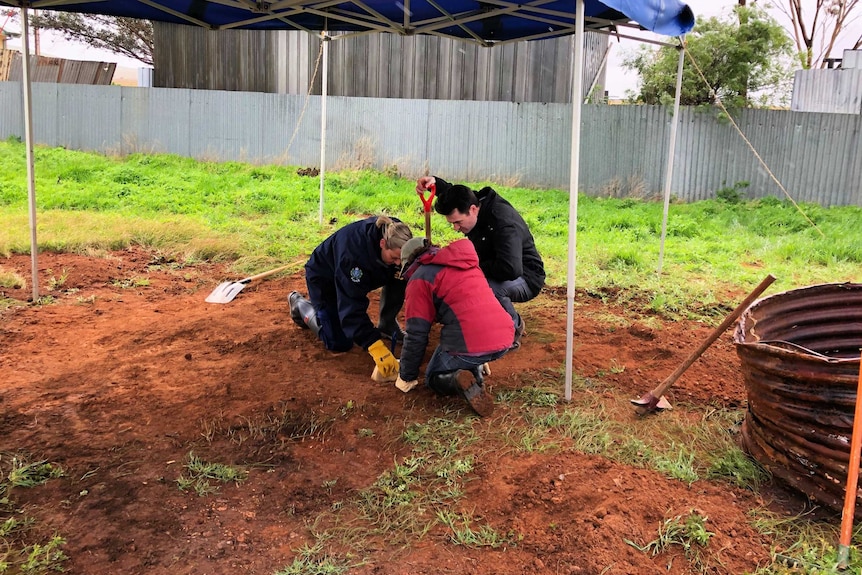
x=411, y=249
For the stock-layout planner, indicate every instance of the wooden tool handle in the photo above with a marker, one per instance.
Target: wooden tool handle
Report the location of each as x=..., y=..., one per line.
x=270, y=272
x=761, y=287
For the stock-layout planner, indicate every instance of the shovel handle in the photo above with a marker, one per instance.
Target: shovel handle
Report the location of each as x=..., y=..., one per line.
x=426, y=204
x=270, y=272
x=761, y=287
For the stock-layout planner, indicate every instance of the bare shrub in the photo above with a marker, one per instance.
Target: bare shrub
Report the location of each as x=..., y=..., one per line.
x=362, y=157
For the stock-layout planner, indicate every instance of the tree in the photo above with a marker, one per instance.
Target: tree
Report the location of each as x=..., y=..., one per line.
x=126, y=36
x=738, y=57
x=819, y=28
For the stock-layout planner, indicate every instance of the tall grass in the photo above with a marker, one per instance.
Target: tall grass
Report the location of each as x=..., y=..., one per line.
x=234, y=211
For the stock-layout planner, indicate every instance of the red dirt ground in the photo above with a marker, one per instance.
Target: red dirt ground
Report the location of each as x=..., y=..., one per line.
x=118, y=384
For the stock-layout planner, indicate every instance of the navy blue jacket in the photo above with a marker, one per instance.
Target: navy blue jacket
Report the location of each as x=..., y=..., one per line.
x=342, y=271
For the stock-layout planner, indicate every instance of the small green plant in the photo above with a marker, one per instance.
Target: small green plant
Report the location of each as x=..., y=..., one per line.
x=688, y=532
x=11, y=279
x=732, y=194
x=738, y=468
x=18, y=552
x=201, y=472
x=130, y=283
x=45, y=300
x=55, y=282
x=464, y=534
x=313, y=561
x=530, y=397
x=678, y=465
x=365, y=432
x=31, y=474
x=348, y=407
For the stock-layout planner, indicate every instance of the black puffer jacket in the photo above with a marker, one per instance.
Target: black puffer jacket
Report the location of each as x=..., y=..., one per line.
x=503, y=241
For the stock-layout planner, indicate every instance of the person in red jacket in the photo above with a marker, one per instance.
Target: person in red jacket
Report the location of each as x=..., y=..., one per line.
x=445, y=285
x=505, y=246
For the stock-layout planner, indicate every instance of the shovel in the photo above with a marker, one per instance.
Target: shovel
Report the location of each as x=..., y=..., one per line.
x=226, y=291
x=654, y=400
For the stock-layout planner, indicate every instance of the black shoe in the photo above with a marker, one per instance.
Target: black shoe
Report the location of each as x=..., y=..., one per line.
x=519, y=333
x=293, y=299
x=475, y=393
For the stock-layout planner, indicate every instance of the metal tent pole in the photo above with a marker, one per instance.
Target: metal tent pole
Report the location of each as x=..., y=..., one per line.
x=28, y=139
x=577, y=88
x=325, y=81
x=670, y=153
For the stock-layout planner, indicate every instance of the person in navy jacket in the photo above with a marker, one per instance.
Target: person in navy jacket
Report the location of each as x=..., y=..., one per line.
x=350, y=263
x=506, y=248
x=445, y=285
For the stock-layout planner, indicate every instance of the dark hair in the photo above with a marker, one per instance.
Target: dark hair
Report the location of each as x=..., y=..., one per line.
x=457, y=197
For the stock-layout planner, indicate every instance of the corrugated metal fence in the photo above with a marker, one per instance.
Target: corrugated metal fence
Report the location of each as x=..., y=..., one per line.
x=373, y=65
x=50, y=69
x=816, y=156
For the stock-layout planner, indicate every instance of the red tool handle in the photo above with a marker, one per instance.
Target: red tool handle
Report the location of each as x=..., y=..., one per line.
x=426, y=203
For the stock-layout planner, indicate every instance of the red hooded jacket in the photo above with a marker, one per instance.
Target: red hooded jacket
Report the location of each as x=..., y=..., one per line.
x=446, y=286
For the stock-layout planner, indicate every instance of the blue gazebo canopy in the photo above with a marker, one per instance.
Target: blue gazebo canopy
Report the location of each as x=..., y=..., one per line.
x=486, y=22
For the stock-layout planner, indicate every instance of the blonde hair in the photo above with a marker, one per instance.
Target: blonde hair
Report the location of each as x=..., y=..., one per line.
x=395, y=234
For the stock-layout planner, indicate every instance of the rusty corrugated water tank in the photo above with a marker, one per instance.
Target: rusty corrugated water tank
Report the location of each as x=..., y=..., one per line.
x=800, y=359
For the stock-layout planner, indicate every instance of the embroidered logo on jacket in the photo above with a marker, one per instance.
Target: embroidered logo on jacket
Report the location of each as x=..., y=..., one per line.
x=356, y=275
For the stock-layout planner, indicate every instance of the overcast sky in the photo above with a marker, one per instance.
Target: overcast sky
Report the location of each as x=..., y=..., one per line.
x=618, y=82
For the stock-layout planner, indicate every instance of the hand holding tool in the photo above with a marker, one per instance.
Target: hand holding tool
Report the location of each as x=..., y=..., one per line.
x=426, y=205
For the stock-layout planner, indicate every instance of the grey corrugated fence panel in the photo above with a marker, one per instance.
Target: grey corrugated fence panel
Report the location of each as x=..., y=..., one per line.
x=500, y=141
x=623, y=149
x=834, y=91
x=88, y=117
x=816, y=156
x=156, y=121
x=11, y=110
x=377, y=133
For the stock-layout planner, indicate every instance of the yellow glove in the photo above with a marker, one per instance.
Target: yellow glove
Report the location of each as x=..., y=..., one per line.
x=387, y=365
x=405, y=386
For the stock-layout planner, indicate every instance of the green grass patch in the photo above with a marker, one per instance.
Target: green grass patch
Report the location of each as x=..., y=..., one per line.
x=229, y=211
x=203, y=477
x=22, y=550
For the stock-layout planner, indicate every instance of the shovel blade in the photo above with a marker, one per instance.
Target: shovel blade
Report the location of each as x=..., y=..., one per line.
x=225, y=292
x=649, y=403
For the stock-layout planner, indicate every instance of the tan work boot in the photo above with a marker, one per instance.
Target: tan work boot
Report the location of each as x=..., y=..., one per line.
x=475, y=393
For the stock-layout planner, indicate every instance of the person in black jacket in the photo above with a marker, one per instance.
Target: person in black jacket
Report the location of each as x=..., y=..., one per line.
x=506, y=248
x=353, y=261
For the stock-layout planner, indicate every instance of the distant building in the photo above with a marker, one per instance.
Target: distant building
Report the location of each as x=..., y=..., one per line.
x=374, y=65
x=836, y=89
